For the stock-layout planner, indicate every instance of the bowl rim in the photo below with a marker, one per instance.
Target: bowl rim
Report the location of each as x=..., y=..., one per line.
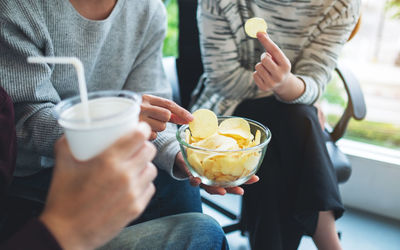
x=261, y=145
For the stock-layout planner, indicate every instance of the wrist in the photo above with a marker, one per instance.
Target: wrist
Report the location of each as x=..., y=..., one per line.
x=291, y=89
x=65, y=234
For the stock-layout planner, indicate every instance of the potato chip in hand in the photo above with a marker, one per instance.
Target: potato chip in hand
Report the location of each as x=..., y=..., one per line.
x=255, y=25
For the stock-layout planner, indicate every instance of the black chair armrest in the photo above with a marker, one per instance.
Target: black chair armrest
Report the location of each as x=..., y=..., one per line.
x=356, y=107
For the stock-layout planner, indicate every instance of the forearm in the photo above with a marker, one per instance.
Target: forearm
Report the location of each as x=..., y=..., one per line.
x=37, y=128
x=167, y=149
x=291, y=90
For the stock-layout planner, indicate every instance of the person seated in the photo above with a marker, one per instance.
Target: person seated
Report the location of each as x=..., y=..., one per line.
x=90, y=202
x=275, y=79
x=120, y=45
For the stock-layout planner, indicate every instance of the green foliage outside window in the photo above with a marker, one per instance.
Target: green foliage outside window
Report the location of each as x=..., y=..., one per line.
x=334, y=93
x=171, y=39
x=395, y=5
x=377, y=133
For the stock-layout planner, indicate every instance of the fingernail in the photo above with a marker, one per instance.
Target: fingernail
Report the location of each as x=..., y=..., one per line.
x=190, y=117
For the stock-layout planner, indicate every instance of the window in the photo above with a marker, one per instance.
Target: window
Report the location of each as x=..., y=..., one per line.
x=171, y=39
x=373, y=55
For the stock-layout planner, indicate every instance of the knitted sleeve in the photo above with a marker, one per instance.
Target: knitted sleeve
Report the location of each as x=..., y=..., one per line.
x=318, y=59
x=21, y=36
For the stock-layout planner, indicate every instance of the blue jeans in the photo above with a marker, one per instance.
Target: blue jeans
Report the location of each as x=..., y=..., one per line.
x=184, y=231
x=171, y=197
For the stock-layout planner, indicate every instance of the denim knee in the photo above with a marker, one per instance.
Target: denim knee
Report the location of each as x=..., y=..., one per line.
x=206, y=232
x=187, y=231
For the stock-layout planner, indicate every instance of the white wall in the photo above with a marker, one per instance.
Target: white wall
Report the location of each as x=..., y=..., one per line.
x=374, y=185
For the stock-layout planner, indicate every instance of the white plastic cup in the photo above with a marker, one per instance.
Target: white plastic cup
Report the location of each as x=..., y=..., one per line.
x=112, y=115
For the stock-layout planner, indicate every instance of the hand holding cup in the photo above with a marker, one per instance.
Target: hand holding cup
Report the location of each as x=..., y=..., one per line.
x=89, y=202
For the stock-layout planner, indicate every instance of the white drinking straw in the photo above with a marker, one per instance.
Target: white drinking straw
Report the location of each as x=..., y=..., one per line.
x=79, y=71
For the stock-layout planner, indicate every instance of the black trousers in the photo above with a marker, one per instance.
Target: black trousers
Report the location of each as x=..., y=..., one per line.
x=297, y=179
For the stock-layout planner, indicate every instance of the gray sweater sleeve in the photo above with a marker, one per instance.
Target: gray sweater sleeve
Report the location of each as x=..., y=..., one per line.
x=318, y=59
x=33, y=96
x=148, y=76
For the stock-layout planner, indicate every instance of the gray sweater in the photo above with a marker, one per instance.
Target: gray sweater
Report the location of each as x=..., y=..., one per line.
x=123, y=51
x=311, y=33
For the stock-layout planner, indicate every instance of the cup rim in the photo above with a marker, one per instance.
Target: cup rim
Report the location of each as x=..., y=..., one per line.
x=261, y=145
x=67, y=103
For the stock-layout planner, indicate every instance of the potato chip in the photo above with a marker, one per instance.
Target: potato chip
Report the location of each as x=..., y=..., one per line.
x=195, y=162
x=210, y=163
x=231, y=134
x=245, y=143
x=188, y=136
x=195, y=139
x=205, y=123
x=231, y=166
x=226, y=164
x=200, y=155
x=257, y=139
x=249, y=160
x=217, y=141
x=210, y=174
x=237, y=128
x=255, y=25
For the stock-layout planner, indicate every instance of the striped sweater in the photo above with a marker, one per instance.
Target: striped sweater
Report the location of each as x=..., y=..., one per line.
x=311, y=33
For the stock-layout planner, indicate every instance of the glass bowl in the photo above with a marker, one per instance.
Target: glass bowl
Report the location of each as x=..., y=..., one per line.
x=225, y=168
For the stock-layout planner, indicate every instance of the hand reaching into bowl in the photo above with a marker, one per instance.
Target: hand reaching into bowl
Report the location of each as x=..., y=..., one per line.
x=157, y=111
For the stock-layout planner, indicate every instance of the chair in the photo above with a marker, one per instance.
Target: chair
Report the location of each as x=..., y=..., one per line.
x=189, y=69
